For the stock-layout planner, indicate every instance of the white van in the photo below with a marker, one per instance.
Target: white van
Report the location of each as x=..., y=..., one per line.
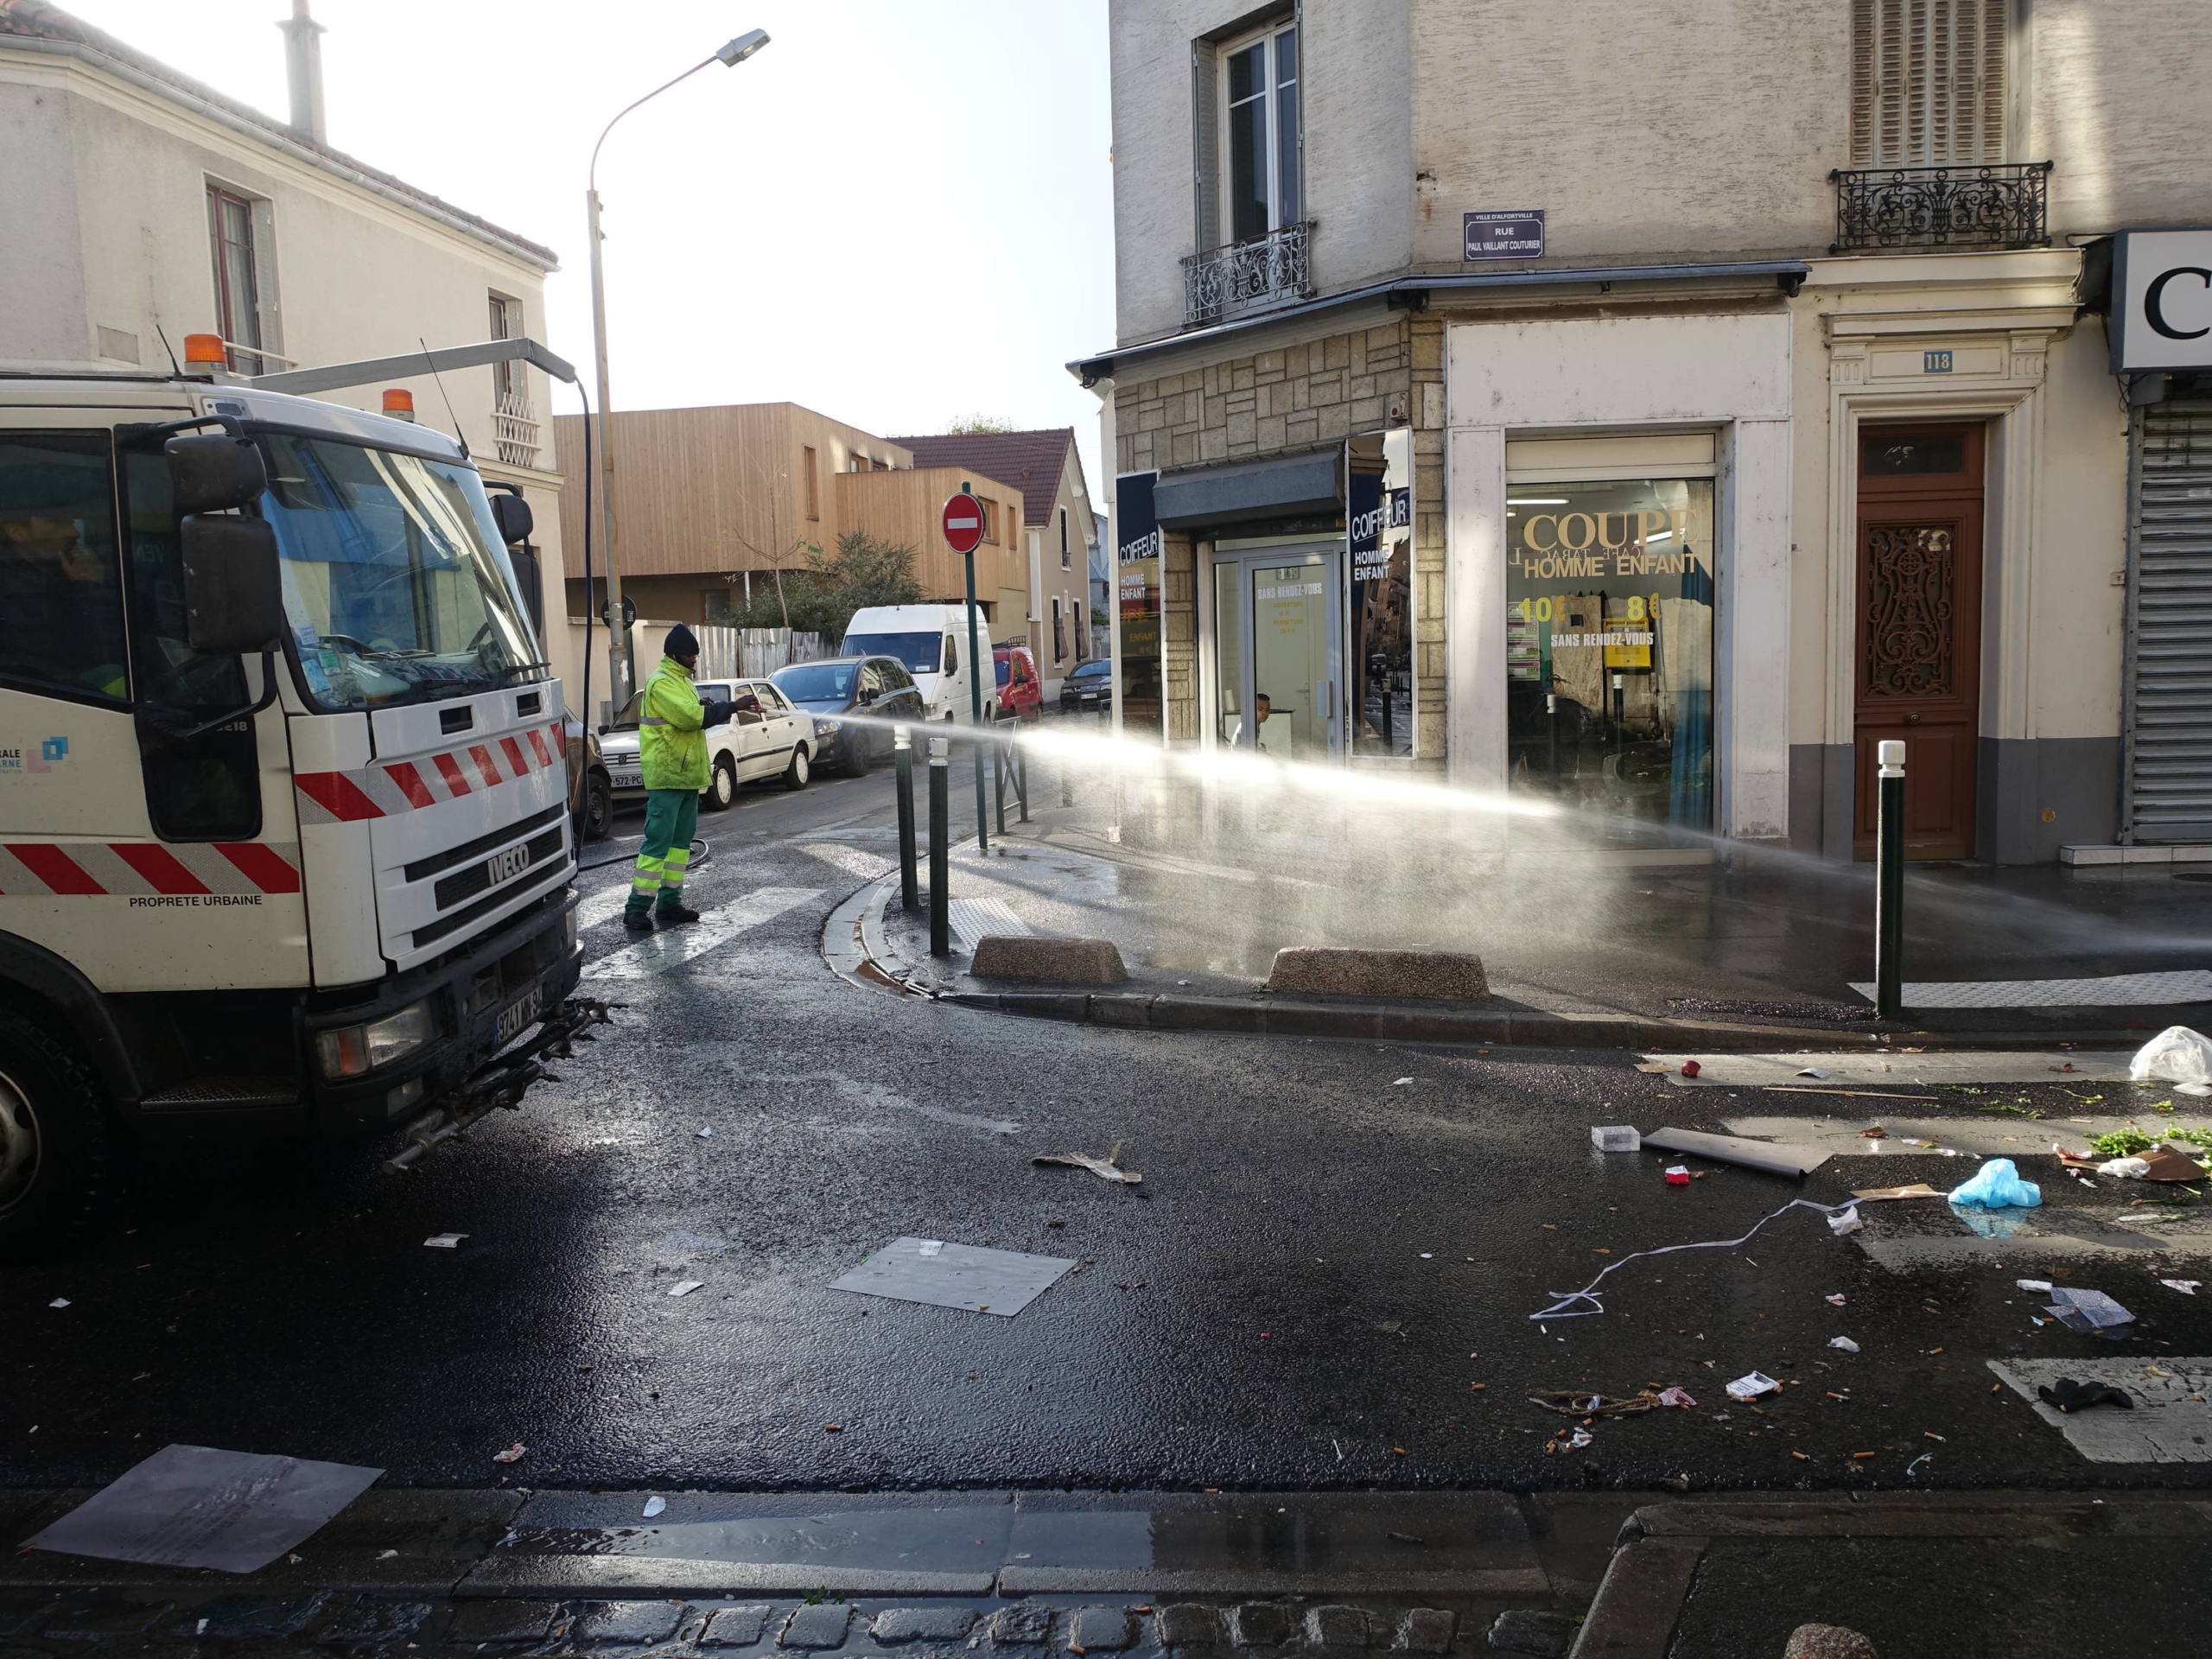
x=931, y=640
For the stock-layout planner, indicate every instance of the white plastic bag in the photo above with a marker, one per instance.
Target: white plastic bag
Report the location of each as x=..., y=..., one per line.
x=2176, y=1055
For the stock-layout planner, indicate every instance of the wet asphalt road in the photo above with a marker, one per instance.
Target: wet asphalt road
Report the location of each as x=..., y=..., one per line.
x=1320, y=1265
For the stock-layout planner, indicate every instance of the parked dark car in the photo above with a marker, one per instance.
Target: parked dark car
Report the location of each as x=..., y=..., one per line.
x=1089, y=685
x=591, y=791
x=837, y=688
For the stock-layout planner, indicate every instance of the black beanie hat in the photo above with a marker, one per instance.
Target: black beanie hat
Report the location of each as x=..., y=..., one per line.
x=681, y=643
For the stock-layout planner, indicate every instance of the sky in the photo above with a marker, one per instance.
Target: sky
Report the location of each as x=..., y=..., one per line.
x=899, y=212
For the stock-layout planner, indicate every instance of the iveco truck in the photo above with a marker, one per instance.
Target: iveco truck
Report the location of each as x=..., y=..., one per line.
x=284, y=842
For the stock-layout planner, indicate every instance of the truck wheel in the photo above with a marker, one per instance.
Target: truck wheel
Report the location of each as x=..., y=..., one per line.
x=721, y=790
x=795, y=774
x=59, y=1165
x=599, y=807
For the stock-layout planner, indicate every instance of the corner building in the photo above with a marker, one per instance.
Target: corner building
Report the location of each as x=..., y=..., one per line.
x=1651, y=407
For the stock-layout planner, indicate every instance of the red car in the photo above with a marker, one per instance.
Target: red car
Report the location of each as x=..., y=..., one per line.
x=1021, y=693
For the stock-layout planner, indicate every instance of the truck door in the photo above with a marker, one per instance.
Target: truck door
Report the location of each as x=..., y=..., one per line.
x=149, y=854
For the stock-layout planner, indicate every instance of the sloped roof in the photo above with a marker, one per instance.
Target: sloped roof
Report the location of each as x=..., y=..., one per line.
x=1030, y=461
x=38, y=19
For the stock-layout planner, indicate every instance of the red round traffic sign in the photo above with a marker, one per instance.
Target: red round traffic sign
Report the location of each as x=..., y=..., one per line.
x=962, y=520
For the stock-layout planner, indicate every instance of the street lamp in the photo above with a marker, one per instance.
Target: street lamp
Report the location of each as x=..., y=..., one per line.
x=620, y=675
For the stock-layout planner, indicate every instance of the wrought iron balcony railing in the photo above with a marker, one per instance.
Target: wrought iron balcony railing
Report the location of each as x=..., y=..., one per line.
x=1223, y=282
x=1942, y=208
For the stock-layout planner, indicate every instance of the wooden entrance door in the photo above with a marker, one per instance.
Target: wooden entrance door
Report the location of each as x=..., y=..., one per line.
x=1919, y=602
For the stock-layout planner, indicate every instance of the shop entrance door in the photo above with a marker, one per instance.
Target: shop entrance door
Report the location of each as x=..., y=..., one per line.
x=1919, y=602
x=1278, y=621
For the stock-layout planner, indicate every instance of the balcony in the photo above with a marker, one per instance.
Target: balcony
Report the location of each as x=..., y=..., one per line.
x=1940, y=209
x=1225, y=282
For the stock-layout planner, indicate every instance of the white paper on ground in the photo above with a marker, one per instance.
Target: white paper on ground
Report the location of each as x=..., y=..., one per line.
x=1752, y=1385
x=685, y=1287
x=194, y=1506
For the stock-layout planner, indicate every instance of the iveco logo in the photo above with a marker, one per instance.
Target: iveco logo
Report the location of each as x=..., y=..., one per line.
x=501, y=866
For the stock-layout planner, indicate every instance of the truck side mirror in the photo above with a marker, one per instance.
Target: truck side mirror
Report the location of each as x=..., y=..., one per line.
x=233, y=592
x=514, y=518
x=214, y=472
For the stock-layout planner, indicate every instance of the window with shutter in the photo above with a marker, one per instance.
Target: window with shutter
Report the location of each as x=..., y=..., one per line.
x=1928, y=83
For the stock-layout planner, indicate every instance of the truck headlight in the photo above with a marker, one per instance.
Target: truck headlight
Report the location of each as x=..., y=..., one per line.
x=350, y=1050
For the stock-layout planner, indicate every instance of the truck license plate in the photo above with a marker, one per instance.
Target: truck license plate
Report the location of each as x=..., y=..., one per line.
x=624, y=779
x=518, y=1015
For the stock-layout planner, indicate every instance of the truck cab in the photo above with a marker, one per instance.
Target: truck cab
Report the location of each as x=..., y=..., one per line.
x=285, y=845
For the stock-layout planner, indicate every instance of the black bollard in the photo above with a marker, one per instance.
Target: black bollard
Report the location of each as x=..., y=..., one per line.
x=1888, y=882
x=1021, y=779
x=940, y=849
x=902, y=754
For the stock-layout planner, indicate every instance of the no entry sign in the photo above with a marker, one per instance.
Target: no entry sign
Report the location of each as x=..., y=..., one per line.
x=962, y=520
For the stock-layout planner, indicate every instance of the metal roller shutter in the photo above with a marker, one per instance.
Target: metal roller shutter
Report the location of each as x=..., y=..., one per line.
x=2167, y=779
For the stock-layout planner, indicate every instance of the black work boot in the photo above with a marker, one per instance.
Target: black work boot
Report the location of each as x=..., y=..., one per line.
x=637, y=921
x=676, y=916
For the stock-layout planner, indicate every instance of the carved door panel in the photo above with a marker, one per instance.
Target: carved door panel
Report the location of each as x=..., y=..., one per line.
x=1919, y=629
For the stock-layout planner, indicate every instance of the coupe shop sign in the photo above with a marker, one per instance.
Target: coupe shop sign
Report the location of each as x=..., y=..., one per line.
x=1515, y=234
x=2161, y=301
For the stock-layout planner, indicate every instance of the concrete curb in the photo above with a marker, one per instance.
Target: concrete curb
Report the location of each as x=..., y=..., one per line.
x=1358, y=1018
x=1662, y=1545
x=858, y=951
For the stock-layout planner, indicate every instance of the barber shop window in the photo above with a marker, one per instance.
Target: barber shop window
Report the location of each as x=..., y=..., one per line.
x=61, y=586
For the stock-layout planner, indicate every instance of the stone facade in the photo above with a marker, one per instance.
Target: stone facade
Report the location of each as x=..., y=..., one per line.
x=1282, y=401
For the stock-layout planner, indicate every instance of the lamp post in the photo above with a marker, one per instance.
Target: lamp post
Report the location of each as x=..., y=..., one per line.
x=620, y=675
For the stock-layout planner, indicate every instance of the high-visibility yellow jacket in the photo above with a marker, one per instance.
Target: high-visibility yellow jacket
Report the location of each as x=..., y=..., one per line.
x=671, y=744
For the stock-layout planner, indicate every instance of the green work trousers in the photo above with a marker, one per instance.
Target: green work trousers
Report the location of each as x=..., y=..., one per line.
x=671, y=816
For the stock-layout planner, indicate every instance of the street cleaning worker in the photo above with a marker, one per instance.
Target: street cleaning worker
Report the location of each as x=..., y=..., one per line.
x=672, y=753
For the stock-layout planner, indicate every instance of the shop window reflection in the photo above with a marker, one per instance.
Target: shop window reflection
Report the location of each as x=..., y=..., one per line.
x=1609, y=653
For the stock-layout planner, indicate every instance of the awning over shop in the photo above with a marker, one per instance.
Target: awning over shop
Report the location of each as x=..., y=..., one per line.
x=1284, y=487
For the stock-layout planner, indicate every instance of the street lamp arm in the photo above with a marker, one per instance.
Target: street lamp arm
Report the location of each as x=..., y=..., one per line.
x=592, y=177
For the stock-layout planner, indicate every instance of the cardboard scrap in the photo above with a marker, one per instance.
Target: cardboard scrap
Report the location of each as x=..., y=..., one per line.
x=1917, y=1190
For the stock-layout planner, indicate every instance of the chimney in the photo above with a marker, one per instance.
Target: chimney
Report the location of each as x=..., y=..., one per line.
x=303, y=65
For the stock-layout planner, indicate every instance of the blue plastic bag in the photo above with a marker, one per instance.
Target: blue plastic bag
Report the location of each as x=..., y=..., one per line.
x=1997, y=1185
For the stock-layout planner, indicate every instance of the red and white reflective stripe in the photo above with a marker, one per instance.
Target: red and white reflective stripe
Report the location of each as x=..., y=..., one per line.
x=45, y=868
x=389, y=788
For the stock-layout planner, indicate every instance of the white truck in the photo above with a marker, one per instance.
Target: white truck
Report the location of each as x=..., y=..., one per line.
x=285, y=847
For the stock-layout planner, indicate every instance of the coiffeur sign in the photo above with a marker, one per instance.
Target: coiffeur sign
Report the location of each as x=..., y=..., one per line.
x=2161, y=301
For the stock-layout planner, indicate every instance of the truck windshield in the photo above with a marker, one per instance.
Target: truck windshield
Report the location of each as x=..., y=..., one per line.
x=918, y=651
x=396, y=584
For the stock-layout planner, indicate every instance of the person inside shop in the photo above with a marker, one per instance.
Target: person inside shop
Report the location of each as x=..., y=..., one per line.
x=1260, y=708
